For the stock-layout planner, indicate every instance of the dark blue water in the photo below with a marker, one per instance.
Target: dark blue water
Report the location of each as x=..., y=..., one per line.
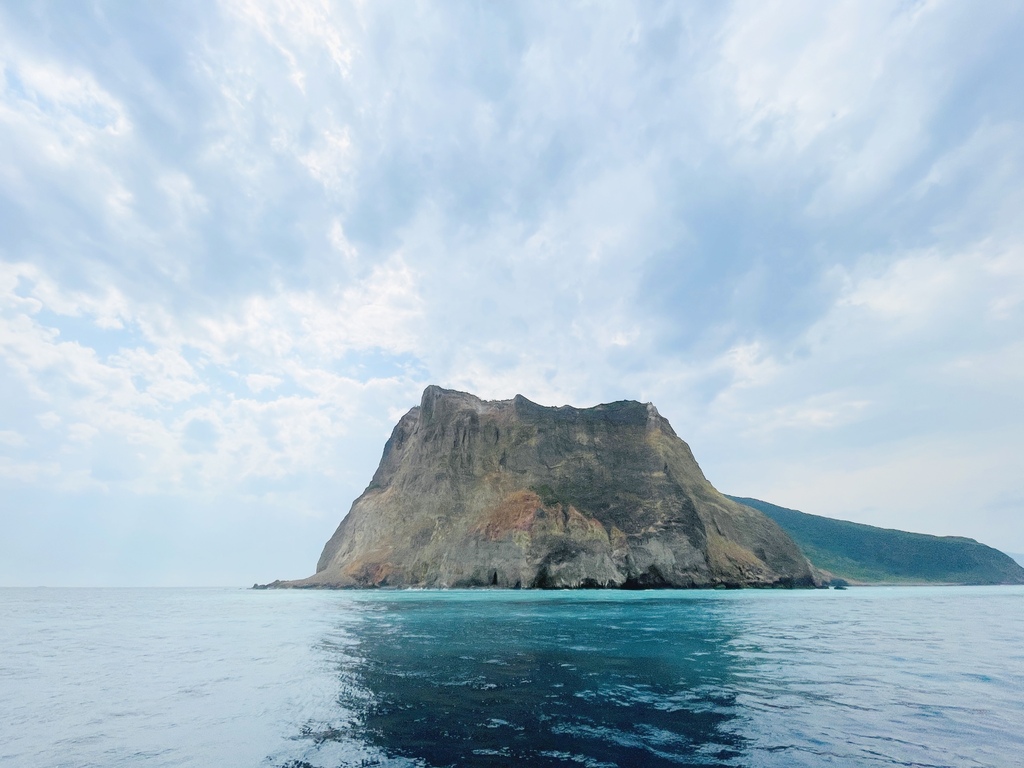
x=863, y=677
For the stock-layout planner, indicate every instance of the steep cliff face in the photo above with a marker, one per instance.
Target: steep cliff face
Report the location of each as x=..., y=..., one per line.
x=513, y=494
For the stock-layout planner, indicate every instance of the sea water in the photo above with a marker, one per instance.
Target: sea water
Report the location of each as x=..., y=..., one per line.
x=291, y=679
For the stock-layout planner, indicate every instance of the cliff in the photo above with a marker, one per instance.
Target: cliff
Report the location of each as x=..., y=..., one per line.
x=870, y=555
x=513, y=494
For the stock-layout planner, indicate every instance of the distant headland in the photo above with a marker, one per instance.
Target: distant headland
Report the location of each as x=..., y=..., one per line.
x=864, y=554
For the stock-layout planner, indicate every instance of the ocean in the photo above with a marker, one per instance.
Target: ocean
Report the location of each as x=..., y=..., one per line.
x=216, y=678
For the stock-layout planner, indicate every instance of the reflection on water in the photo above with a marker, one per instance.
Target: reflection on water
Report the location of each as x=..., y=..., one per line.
x=470, y=679
x=875, y=677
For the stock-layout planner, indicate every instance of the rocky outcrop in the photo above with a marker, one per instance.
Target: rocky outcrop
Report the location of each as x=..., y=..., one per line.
x=509, y=493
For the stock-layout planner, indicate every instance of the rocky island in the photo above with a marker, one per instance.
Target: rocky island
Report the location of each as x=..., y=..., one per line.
x=508, y=493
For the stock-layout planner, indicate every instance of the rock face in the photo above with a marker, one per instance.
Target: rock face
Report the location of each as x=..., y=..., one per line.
x=513, y=494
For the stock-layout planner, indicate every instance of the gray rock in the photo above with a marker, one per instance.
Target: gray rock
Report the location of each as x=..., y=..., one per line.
x=509, y=493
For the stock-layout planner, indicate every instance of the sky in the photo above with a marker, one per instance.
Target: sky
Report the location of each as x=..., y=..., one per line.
x=238, y=239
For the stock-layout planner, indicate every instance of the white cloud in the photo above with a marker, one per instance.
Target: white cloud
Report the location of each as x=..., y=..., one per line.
x=58, y=122
x=846, y=90
x=978, y=287
x=926, y=487
x=71, y=108
x=227, y=269
x=380, y=311
x=81, y=432
x=12, y=438
x=917, y=380
x=908, y=323
x=329, y=161
x=164, y=375
x=174, y=407
x=182, y=197
x=259, y=382
x=293, y=26
x=341, y=244
x=28, y=471
x=48, y=420
x=107, y=308
x=824, y=411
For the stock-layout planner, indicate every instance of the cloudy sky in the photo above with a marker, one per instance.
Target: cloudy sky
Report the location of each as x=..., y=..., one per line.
x=237, y=239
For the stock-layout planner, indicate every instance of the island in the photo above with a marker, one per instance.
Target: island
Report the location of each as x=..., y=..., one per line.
x=509, y=493
x=512, y=494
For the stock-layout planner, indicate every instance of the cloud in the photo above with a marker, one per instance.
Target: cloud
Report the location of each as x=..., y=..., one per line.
x=171, y=402
x=28, y=471
x=852, y=92
x=258, y=382
x=10, y=437
x=237, y=240
x=61, y=125
x=914, y=376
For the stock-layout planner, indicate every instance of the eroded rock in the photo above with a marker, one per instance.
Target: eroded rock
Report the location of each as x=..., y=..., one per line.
x=473, y=493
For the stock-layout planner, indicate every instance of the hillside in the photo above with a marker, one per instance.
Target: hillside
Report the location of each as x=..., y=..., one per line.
x=864, y=553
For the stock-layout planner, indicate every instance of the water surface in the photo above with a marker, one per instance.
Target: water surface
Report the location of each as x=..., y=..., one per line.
x=913, y=676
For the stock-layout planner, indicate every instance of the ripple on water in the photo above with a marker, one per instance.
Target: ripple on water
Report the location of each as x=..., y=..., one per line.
x=874, y=677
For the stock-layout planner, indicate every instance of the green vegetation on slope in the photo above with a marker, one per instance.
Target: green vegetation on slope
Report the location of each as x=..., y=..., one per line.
x=865, y=553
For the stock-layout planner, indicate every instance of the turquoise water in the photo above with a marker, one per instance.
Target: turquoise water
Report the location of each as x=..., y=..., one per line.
x=225, y=677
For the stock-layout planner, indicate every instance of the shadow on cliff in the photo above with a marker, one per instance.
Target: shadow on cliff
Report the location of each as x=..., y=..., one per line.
x=494, y=678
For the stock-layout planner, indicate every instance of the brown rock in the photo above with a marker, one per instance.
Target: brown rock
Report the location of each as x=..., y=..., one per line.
x=510, y=493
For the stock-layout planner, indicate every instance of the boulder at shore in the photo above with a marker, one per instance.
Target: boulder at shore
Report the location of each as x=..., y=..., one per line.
x=508, y=493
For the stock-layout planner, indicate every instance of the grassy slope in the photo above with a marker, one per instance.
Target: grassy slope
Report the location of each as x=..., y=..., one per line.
x=868, y=554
